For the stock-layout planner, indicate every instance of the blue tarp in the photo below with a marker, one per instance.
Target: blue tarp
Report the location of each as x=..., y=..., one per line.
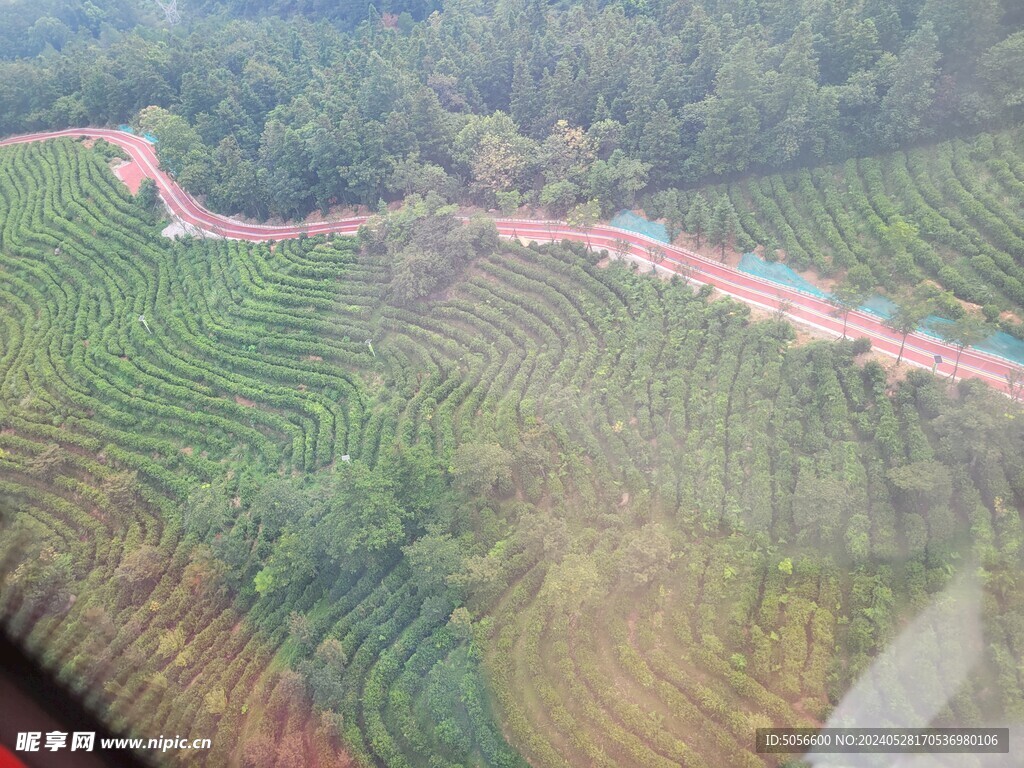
x=884, y=308
x=879, y=305
x=632, y=222
x=778, y=273
x=999, y=343
x=128, y=129
x=1003, y=344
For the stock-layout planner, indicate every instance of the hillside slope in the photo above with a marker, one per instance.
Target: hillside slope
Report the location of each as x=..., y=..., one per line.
x=553, y=510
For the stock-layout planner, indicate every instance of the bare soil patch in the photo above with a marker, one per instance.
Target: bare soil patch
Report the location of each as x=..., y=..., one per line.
x=179, y=228
x=804, y=334
x=894, y=374
x=1011, y=316
x=825, y=283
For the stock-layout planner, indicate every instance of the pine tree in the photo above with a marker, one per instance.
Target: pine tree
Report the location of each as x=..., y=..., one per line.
x=905, y=107
x=724, y=223
x=798, y=116
x=698, y=218
x=659, y=145
x=559, y=90
x=524, y=101
x=733, y=116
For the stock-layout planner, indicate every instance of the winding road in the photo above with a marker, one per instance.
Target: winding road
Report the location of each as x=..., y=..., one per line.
x=801, y=307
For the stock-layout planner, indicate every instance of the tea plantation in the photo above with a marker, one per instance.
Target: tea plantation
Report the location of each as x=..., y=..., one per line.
x=421, y=498
x=951, y=213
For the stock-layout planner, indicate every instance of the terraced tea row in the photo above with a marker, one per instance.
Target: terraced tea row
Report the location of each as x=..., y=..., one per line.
x=951, y=213
x=587, y=516
x=708, y=424
x=111, y=424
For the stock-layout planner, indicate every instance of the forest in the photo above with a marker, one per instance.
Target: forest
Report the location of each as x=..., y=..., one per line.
x=279, y=109
x=535, y=508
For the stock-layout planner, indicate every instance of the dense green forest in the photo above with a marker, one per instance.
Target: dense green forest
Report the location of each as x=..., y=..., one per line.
x=507, y=102
x=586, y=517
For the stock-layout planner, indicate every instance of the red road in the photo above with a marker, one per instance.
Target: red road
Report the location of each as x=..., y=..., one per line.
x=801, y=307
x=131, y=174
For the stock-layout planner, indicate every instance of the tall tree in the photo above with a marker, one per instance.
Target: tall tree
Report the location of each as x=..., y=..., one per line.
x=906, y=105
x=965, y=332
x=238, y=188
x=584, y=216
x=845, y=298
x=732, y=119
x=559, y=196
x=178, y=142
x=698, y=217
x=560, y=93
x=906, y=319
x=1002, y=68
x=497, y=156
x=962, y=27
x=799, y=115
x=284, y=170
x=525, y=103
x=847, y=40
x=480, y=468
x=567, y=154
x=660, y=147
x=725, y=224
x=616, y=181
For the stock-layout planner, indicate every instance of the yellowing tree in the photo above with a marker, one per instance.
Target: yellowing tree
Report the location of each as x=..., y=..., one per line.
x=494, y=152
x=216, y=701
x=567, y=154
